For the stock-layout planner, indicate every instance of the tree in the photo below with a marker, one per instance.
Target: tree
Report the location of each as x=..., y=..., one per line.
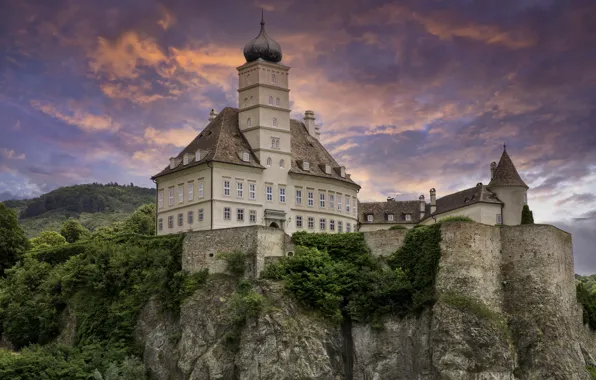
x=13, y=242
x=527, y=216
x=73, y=231
x=142, y=221
x=47, y=239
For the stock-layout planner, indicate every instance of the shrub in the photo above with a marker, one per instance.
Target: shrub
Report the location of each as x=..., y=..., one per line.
x=397, y=227
x=588, y=302
x=455, y=218
x=235, y=261
x=527, y=216
x=592, y=371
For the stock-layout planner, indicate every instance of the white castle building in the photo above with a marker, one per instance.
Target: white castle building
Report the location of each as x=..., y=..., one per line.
x=253, y=165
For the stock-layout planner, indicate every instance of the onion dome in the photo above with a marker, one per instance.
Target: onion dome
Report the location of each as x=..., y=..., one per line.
x=263, y=47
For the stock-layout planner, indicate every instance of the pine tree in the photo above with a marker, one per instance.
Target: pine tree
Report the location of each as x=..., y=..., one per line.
x=527, y=216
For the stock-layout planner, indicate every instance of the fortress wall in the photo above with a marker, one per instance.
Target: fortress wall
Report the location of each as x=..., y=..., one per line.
x=470, y=263
x=384, y=242
x=538, y=269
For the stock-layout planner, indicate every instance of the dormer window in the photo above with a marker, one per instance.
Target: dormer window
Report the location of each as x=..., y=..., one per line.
x=390, y=217
x=271, y=100
x=342, y=172
x=305, y=165
x=275, y=122
x=369, y=218
x=408, y=217
x=327, y=169
x=249, y=122
x=245, y=157
x=186, y=158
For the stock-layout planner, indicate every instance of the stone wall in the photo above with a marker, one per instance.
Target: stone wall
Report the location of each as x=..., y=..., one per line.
x=384, y=242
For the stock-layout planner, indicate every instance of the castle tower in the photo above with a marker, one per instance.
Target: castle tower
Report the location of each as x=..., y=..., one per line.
x=264, y=101
x=506, y=183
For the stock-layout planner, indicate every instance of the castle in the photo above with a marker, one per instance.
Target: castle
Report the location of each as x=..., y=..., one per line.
x=254, y=165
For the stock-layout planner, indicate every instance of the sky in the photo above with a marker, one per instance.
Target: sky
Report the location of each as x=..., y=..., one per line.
x=409, y=94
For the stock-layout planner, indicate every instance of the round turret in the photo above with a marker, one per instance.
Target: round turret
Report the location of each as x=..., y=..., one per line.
x=263, y=47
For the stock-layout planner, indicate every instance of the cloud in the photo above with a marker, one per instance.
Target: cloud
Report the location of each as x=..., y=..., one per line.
x=582, y=198
x=11, y=154
x=167, y=19
x=177, y=137
x=84, y=120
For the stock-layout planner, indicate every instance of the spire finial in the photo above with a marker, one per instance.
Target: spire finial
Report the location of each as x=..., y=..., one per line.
x=504, y=147
x=262, y=17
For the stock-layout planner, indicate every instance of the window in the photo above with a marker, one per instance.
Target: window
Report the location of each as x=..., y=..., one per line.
x=525, y=198
x=271, y=100
x=339, y=226
x=275, y=143
x=299, y=221
x=180, y=220
x=180, y=194
x=170, y=221
x=348, y=227
x=322, y=224
x=408, y=217
x=331, y=201
x=332, y=225
x=248, y=122
x=282, y=195
x=298, y=196
x=227, y=213
x=191, y=191
x=277, y=102
x=201, y=190
x=160, y=200
x=252, y=216
x=305, y=165
x=239, y=189
x=499, y=219
x=347, y=204
x=201, y=215
x=369, y=218
x=251, y=101
x=227, y=188
x=245, y=157
x=273, y=78
x=311, y=199
x=240, y=215
x=390, y=217
x=160, y=224
x=191, y=217
x=322, y=200
x=338, y=202
x=311, y=222
x=275, y=122
x=247, y=79
x=281, y=164
x=269, y=192
x=245, y=102
x=268, y=162
x=252, y=194
x=354, y=208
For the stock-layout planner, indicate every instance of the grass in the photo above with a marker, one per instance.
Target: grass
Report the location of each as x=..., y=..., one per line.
x=455, y=218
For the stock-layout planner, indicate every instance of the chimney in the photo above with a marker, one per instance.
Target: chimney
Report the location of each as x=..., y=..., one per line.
x=433, y=200
x=422, y=206
x=493, y=167
x=212, y=115
x=309, y=122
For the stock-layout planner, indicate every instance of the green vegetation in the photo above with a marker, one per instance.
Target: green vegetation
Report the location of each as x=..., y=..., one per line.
x=397, y=227
x=455, y=218
x=104, y=284
x=592, y=371
x=336, y=275
x=586, y=296
x=235, y=262
x=73, y=231
x=527, y=216
x=47, y=239
x=94, y=205
x=13, y=242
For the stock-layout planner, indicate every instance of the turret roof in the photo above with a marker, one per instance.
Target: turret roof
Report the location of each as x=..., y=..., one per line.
x=505, y=173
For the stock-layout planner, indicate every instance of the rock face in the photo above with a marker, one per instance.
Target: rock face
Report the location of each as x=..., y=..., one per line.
x=506, y=310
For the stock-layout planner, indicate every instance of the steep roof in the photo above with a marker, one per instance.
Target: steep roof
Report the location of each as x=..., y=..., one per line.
x=476, y=194
x=223, y=140
x=380, y=210
x=505, y=174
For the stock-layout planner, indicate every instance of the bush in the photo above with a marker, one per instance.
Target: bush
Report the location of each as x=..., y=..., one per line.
x=455, y=218
x=527, y=216
x=592, y=371
x=397, y=227
x=588, y=302
x=235, y=261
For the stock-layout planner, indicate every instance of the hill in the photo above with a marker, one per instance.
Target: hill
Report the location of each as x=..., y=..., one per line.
x=95, y=205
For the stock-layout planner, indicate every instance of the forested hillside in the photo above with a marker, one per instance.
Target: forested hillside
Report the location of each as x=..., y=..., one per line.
x=95, y=205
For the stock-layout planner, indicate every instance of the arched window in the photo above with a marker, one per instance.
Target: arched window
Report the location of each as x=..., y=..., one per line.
x=248, y=122
x=268, y=161
x=281, y=164
x=245, y=102
x=271, y=100
x=251, y=100
x=247, y=79
x=277, y=102
x=274, y=122
x=273, y=78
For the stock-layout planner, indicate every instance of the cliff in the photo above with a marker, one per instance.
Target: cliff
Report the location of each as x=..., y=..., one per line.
x=505, y=309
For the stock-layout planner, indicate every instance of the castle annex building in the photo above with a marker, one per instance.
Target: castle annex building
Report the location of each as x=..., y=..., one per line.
x=499, y=202
x=253, y=165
